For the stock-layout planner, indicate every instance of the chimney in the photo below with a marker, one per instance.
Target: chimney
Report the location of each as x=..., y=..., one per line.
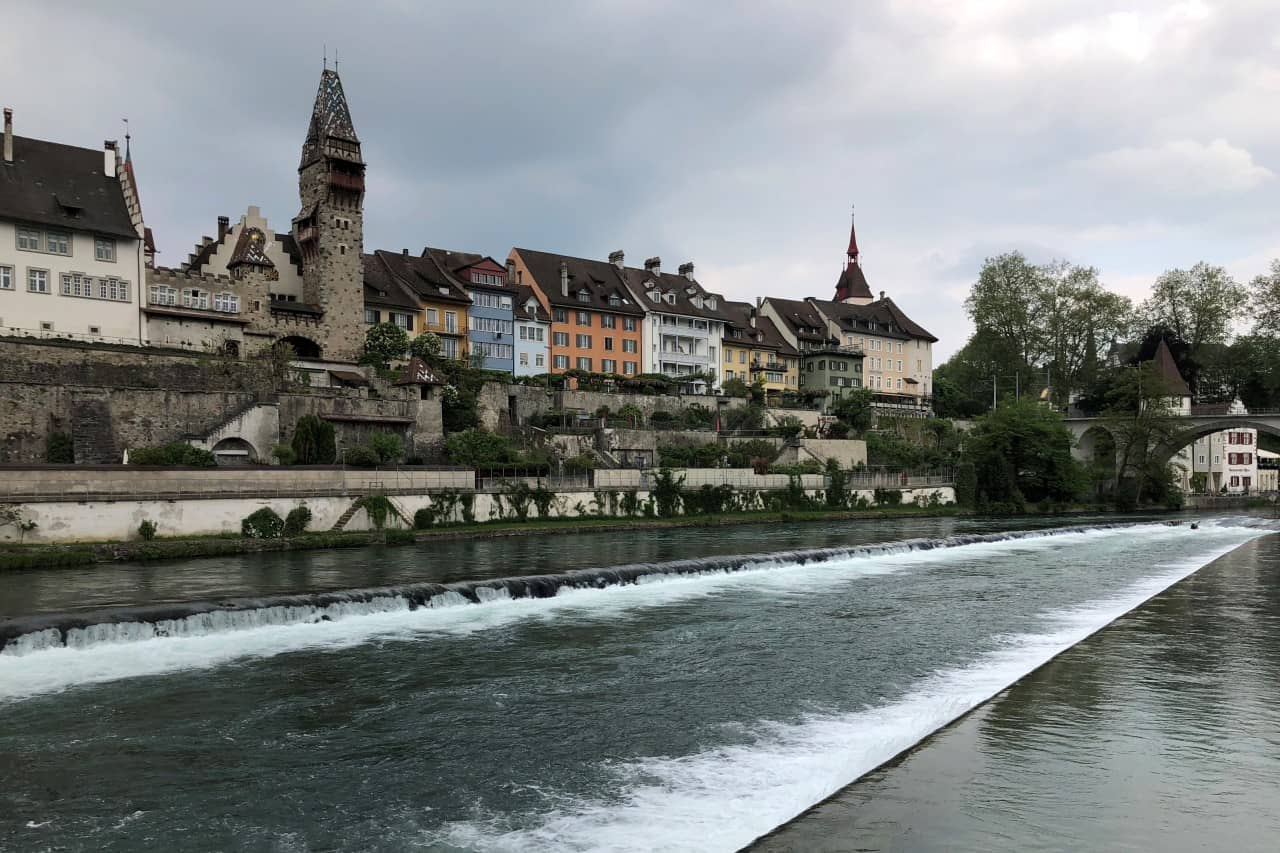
x=653, y=266
x=686, y=270
x=8, y=135
x=404, y=252
x=511, y=271
x=751, y=315
x=564, y=278
x=224, y=223
x=616, y=258
x=109, y=158
x=882, y=296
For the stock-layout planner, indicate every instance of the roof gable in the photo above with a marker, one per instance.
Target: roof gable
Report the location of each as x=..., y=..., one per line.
x=63, y=186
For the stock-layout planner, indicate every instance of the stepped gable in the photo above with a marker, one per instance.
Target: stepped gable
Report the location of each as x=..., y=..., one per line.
x=64, y=186
x=1167, y=369
x=601, y=280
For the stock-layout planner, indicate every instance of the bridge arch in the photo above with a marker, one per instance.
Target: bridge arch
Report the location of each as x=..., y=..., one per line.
x=1264, y=426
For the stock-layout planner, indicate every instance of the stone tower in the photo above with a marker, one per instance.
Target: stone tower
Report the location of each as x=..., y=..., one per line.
x=330, y=227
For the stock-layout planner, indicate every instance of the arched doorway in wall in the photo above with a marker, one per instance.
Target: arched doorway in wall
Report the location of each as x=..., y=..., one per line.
x=302, y=347
x=234, y=451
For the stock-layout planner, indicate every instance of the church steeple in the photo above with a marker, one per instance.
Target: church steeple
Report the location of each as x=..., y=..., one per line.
x=331, y=132
x=852, y=285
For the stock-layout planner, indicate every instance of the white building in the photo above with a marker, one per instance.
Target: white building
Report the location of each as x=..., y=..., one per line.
x=683, y=325
x=71, y=241
x=533, y=333
x=1228, y=460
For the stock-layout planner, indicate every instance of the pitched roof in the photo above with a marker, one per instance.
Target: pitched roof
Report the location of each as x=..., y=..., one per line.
x=422, y=276
x=1167, y=369
x=525, y=293
x=852, y=283
x=251, y=249
x=451, y=265
x=330, y=117
x=676, y=294
x=764, y=335
x=600, y=280
x=61, y=185
x=800, y=317
x=882, y=318
x=381, y=285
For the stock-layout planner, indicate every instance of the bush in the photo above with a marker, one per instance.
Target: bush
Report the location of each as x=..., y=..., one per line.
x=262, y=523
x=838, y=430
x=314, y=442
x=698, y=417
x=378, y=508
x=888, y=497
x=384, y=343
x=667, y=493
x=60, y=449
x=966, y=484
x=788, y=426
x=742, y=418
x=425, y=517
x=284, y=454
x=475, y=448
x=757, y=453
x=295, y=523
x=401, y=537
x=361, y=456
x=580, y=464
x=147, y=530
x=663, y=420
x=387, y=446
x=176, y=453
x=691, y=455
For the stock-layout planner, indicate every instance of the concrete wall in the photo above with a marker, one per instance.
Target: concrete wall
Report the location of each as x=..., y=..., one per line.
x=850, y=453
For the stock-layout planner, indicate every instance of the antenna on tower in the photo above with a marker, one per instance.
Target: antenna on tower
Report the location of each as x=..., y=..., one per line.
x=325, y=52
x=127, y=137
x=335, y=60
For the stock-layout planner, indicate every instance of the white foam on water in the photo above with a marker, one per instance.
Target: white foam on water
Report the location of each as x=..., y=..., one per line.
x=725, y=798
x=39, y=664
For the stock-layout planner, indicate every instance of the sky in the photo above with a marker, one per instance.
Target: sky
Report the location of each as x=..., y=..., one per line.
x=1134, y=136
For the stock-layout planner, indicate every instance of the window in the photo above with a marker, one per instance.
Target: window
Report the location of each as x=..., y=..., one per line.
x=728, y=374
x=608, y=321
x=228, y=303
x=449, y=347
x=583, y=318
x=488, y=350
x=560, y=315
x=162, y=295
x=524, y=359
x=582, y=341
x=742, y=357
x=29, y=239
x=628, y=324
x=615, y=299
x=486, y=278
x=104, y=249
x=628, y=368
x=561, y=362
x=492, y=324
x=95, y=330
x=75, y=284
x=629, y=346
x=608, y=365
x=194, y=298
x=540, y=360
x=57, y=242
x=372, y=317
x=46, y=326
x=6, y=278
x=608, y=344
x=451, y=321
x=560, y=339
x=113, y=289
x=584, y=363
x=584, y=296
x=728, y=357
x=404, y=321
x=38, y=281
x=433, y=317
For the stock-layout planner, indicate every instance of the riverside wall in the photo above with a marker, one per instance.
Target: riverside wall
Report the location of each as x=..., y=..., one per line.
x=87, y=504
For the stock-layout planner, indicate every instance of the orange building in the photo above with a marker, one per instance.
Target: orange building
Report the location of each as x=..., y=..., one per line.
x=595, y=323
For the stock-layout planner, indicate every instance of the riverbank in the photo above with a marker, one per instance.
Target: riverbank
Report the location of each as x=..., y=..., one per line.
x=38, y=556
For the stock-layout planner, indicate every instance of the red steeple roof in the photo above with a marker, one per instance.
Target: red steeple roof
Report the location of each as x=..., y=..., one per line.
x=853, y=242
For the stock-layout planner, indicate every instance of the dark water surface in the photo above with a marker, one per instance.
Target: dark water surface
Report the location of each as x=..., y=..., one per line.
x=1161, y=733
x=691, y=712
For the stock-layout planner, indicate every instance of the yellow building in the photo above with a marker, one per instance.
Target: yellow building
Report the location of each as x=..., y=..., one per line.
x=755, y=350
x=415, y=294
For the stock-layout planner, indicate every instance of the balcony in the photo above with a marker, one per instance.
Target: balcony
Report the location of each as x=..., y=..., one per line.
x=772, y=367
x=341, y=180
x=831, y=349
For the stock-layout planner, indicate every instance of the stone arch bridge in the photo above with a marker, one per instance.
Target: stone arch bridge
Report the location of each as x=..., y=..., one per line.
x=1086, y=431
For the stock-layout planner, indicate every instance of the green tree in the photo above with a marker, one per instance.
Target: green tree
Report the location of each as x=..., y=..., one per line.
x=1143, y=428
x=854, y=408
x=383, y=344
x=1264, y=302
x=475, y=448
x=427, y=347
x=1022, y=451
x=314, y=441
x=1198, y=304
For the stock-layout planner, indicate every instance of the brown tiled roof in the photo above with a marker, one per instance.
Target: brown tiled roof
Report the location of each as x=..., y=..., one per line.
x=642, y=282
x=1167, y=368
x=889, y=319
x=382, y=287
x=61, y=185
x=600, y=279
x=451, y=264
x=524, y=293
x=251, y=248
x=798, y=315
x=852, y=283
x=764, y=335
x=422, y=276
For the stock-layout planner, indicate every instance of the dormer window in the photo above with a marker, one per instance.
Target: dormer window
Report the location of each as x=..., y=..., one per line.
x=486, y=278
x=669, y=298
x=697, y=301
x=584, y=296
x=711, y=303
x=615, y=299
x=655, y=295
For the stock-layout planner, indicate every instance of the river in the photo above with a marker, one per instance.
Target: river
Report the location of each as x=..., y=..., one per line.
x=695, y=700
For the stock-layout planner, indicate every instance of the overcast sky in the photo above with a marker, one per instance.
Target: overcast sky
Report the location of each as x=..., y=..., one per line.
x=1134, y=136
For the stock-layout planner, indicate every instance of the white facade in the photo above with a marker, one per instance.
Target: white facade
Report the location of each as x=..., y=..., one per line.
x=1229, y=460
x=87, y=288
x=676, y=345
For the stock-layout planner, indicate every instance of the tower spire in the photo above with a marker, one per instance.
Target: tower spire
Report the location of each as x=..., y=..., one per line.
x=852, y=252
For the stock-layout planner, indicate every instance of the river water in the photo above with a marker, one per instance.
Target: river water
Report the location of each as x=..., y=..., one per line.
x=670, y=706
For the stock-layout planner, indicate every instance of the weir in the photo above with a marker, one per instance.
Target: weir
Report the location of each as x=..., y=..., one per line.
x=130, y=624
